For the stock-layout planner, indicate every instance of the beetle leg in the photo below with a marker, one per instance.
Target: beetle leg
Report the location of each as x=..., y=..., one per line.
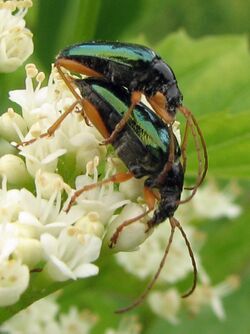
x=184, y=148
x=150, y=199
x=116, y=178
x=90, y=111
x=159, y=104
x=203, y=146
x=74, y=66
x=198, y=150
x=184, y=157
x=168, y=165
x=192, y=123
x=51, y=130
x=135, y=99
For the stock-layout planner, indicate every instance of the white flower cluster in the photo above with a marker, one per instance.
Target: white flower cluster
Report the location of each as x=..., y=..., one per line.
x=167, y=304
x=44, y=317
x=143, y=263
x=16, y=43
x=35, y=231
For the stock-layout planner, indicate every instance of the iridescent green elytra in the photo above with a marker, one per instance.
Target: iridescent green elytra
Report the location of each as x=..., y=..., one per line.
x=136, y=67
x=149, y=128
x=127, y=54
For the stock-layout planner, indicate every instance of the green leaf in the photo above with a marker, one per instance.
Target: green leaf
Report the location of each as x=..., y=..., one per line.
x=67, y=22
x=111, y=25
x=158, y=18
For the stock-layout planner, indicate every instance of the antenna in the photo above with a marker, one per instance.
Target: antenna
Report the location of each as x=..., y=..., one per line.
x=174, y=223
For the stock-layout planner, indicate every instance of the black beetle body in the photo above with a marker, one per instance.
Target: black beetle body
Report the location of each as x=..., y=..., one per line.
x=136, y=67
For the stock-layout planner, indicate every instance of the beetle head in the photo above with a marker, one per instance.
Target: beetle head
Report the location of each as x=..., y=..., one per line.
x=167, y=84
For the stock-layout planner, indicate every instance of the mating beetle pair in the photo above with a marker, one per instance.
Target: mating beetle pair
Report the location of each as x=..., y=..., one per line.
x=141, y=71
x=110, y=99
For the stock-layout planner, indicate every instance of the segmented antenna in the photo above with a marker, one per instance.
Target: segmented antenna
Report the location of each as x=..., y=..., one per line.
x=174, y=223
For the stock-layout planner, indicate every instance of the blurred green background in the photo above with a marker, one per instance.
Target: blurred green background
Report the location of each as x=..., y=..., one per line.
x=206, y=43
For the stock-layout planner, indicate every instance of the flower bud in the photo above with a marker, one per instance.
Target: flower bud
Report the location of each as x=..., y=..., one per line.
x=91, y=224
x=48, y=183
x=6, y=148
x=29, y=251
x=14, y=169
x=132, y=235
x=10, y=124
x=166, y=304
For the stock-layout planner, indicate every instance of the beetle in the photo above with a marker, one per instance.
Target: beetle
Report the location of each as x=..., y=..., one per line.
x=141, y=71
x=148, y=148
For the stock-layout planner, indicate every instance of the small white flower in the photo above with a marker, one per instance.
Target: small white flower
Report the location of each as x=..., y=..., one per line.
x=103, y=200
x=212, y=203
x=38, y=318
x=91, y=224
x=75, y=322
x=211, y=296
x=70, y=255
x=14, y=281
x=43, y=155
x=47, y=183
x=15, y=40
x=166, y=304
x=41, y=104
x=34, y=103
x=44, y=215
x=128, y=325
x=132, y=235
